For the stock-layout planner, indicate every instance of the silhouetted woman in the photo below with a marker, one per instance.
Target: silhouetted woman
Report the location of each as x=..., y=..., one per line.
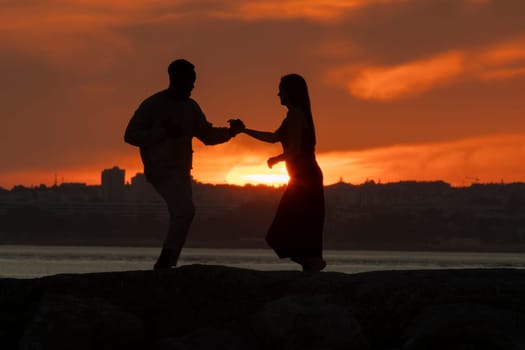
x=296, y=231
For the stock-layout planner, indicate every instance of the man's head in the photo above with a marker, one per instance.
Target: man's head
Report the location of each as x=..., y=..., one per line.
x=182, y=77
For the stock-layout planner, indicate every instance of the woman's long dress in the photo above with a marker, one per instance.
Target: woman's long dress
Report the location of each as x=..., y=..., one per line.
x=297, y=229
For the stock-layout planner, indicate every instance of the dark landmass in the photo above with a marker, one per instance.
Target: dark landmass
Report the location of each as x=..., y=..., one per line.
x=395, y=216
x=215, y=307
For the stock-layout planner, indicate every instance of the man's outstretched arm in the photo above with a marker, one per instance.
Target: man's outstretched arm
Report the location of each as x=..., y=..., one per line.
x=211, y=135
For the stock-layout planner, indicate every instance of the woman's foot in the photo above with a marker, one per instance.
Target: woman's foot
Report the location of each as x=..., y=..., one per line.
x=310, y=264
x=314, y=265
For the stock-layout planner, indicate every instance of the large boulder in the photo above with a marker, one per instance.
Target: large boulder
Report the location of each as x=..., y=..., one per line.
x=69, y=322
x=466, y=326
x=208, y=339
x=307, y=322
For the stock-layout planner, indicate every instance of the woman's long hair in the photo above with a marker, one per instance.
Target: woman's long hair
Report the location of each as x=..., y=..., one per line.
x=297, y=90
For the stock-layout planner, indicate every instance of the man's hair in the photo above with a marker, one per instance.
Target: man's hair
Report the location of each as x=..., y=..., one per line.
x=181, y=69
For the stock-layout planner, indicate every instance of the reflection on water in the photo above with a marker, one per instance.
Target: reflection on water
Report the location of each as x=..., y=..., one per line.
x=37, y=261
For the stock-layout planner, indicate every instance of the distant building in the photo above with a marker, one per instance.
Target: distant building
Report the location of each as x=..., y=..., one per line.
x=67, y=192
x=113, y=184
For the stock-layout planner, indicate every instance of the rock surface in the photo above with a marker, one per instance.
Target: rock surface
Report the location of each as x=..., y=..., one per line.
x=217, y=307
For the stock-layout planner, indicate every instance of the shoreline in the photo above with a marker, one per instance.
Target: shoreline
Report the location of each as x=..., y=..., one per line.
x=492, y=249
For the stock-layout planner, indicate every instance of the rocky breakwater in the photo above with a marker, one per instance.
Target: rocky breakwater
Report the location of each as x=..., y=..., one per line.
x=216, y=307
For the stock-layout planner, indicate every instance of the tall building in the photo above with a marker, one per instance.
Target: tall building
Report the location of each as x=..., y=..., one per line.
x=113, y=184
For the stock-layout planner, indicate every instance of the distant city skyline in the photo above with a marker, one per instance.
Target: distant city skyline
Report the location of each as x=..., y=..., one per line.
x=408, y=215
x=274, y=177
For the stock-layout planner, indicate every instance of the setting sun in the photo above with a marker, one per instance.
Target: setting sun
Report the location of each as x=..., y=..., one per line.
x=258, y=175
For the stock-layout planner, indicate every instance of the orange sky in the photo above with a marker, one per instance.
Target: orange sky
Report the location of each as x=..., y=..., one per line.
x=400, y=89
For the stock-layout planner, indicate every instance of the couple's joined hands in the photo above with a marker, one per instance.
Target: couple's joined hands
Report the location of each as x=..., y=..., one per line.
x=236, y=126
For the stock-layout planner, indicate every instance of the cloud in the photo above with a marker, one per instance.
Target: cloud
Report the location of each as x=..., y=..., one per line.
x=70, y=32
x=66, y=36
x=78, y=15
x=497, y=74
x=478, y=2
x=506, y=53
x=316, y=10
x=502, y=61
x=461, y=162
x=413, y=78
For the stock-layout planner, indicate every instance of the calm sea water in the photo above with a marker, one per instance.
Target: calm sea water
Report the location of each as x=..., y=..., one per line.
x=37, y=261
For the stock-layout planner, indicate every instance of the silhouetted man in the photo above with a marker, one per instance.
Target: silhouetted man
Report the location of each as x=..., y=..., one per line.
x=163, y=127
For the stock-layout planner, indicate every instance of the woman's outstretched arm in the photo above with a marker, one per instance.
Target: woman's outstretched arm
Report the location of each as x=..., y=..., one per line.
x=265, y=136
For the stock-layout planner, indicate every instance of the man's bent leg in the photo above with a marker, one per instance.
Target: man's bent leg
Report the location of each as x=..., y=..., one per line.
x=177, y=194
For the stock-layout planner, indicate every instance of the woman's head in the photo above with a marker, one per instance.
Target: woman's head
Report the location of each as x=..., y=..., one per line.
x=294, y=92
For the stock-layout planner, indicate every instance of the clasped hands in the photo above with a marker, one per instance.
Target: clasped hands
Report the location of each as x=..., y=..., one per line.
x=236, y=126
